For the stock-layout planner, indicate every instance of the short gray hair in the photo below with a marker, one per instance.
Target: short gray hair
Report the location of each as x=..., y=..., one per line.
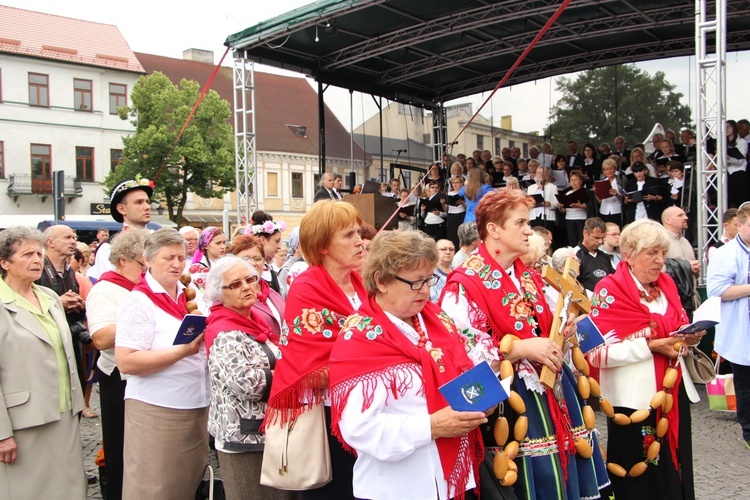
x=467, y=233
x=212, y=291
x=642, y=234
x=160, y=238
x=393, y=251
x=12, y=237
x=184, y=230
x=559, y=257
x=127, y=244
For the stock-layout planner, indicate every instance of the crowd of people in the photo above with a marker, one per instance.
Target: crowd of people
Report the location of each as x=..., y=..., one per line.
x=366, y=326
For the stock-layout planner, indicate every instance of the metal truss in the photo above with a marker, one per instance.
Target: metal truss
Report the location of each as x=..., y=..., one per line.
x=710, y=67
x=439, y=132
x=245, y=154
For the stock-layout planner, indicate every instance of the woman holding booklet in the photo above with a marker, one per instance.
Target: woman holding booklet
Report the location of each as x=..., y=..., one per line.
x=573, y=203
x=167, y=395
x=493, y=298
x=609, y=193
x=648, y=433
x=386, y=366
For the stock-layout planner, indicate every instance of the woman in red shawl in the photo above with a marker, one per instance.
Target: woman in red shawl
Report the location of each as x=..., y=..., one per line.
x=386, y=367
x=640, y=305
x=492, y=295
x=318, y=302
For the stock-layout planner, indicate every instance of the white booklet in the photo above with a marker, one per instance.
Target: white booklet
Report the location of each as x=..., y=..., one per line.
x=706, y=316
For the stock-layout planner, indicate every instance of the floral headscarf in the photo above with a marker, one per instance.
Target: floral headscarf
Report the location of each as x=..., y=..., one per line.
x=207, y=235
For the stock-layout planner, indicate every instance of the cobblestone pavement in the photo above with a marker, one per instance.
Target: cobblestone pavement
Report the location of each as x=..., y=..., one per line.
x=722, y=463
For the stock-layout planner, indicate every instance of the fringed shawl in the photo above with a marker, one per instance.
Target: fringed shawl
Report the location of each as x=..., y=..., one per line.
x=372, y=350
x=617, y=306
x=511, y=311
x=315, y=311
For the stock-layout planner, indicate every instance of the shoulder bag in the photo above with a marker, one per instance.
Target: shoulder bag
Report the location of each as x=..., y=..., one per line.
x=700, y=366
x=296, y=455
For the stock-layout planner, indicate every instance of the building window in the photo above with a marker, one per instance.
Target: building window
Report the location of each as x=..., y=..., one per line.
x=38, y=90
x=82, y=95
x=497, y=146
x=41, y=168
x=115, y=158
x=2, y=160
x=511, y=144
x=118, y=97
x=480, y=142
x=298, y=188
x=84, y=163
x=272, y=184
x=525, y=149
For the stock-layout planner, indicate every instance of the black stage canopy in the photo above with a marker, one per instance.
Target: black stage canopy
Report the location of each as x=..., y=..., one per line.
x=424, y=52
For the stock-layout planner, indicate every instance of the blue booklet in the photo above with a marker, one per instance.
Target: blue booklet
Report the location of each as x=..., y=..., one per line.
x=475, y=390
x=192, y=325
x=589, y=335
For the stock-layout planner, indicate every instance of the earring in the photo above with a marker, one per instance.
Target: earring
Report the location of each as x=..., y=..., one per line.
x=497, y=251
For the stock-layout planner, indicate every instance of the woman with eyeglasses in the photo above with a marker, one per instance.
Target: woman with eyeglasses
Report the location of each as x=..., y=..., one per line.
x=269, y=304
x=493, y=295
x=386, y=366
x=242, y=354
x=165, y=450
x=102, y=302
x=318, y=302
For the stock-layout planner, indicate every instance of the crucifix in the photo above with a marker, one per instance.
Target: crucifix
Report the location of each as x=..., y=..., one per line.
x=572, y=298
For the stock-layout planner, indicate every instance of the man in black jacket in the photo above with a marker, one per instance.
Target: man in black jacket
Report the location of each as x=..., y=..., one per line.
x=595, y=265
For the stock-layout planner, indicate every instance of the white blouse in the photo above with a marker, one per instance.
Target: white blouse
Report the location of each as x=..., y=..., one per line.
x=396, y=455
x=142, y=326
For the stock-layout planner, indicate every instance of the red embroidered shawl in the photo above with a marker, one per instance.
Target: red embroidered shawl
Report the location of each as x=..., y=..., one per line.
x=372, y=350
x=510, y=311
x=315, y=311
x=617, y=306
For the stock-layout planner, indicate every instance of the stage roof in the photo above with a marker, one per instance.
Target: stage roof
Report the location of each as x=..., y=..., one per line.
x=424, y=52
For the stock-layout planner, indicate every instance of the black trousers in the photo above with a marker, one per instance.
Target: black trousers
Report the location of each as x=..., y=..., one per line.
x=615, y=218
x=742, y=392
x=342, y=466
x=112, y=401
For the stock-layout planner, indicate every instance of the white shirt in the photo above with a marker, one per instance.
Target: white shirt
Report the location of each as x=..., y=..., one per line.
x=102, y=303
x=142, y=326
x=611, y=205
x=396, y=456
x=549, y=192
x=101, y=262
x=640, y=208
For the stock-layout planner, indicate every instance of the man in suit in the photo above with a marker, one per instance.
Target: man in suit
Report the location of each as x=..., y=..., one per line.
x=338, y=181
x=622, y=152
x=575, y=159
x=326, y=188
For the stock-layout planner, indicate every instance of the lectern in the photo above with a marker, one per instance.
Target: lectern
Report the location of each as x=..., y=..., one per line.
x=375, y=208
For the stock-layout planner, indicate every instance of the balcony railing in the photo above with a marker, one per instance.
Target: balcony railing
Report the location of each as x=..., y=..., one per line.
x=26, y=184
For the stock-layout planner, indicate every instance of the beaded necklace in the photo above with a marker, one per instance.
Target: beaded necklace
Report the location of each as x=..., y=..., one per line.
x=651, y=295
x=418, y=328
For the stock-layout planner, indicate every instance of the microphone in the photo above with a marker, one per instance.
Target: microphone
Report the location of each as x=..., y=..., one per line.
x=399, y=150
x=453, y=143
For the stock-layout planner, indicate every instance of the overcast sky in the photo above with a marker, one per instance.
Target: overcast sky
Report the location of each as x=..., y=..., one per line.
x=168, y=28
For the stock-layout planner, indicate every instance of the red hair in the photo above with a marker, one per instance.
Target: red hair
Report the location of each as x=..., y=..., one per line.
x=245, y=242
x=496, y=207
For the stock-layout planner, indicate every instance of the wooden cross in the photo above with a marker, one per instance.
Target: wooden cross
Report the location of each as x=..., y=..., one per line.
x=572, y=298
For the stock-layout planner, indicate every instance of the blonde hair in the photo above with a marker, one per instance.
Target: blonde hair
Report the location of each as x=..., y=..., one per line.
x=537, y=249
x=320, y=222
x=642, y=234
x=474, y=181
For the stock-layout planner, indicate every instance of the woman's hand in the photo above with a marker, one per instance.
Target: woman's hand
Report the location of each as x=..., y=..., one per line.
x=450, y=423
x=191, y=348
x=539, y=349
x=8, y=450
x=692, y=339
x=665, y=347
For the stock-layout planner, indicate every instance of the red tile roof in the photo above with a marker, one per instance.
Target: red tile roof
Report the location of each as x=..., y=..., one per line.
x=279, y=100
x=36, y=34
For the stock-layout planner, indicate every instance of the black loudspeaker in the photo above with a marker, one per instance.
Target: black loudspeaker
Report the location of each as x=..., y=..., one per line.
x=352, y=180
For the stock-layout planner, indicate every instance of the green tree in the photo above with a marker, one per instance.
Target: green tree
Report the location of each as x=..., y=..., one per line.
x=622, y=100
x=202, y=161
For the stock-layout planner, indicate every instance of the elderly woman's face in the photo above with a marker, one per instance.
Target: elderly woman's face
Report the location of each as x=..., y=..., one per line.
x=167, y=265
x=647, y=264
x=344, y=251
x=254, y=256
x=239, y=288
x=26, y=262
x=398, y=298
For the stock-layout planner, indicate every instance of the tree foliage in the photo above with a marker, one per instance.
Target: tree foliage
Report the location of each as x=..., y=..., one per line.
x=622, y=100
x=202, y=161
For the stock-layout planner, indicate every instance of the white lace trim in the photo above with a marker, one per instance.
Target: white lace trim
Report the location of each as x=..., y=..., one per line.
x=135, y=322
x=527, y=372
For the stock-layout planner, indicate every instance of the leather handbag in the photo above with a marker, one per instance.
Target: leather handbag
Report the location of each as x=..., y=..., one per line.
x=700, y=366
x=296, y=455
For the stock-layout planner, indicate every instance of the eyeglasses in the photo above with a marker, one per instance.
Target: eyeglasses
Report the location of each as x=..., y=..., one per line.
x=143, y=266
x=234, y=285
x=255, y=260
x=418, y=284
